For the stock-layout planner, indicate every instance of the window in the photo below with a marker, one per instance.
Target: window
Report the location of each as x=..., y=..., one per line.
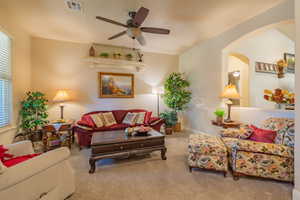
x=5, y=80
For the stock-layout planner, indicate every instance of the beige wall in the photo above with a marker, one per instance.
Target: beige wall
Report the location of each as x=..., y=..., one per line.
x=268, y=46
x=203, y=66
x=296, y=194
x=61, y=65
x=20, y=68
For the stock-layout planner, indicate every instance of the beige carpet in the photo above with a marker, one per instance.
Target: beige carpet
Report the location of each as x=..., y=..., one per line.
x=150, y=178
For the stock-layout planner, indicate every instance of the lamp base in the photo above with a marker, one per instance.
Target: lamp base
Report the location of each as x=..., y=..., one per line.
x=228, y=121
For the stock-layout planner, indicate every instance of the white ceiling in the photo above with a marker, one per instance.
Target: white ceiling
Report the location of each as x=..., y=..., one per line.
x=190, y=21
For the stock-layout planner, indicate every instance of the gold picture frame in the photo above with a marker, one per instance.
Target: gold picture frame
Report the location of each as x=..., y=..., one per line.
x=116, y=85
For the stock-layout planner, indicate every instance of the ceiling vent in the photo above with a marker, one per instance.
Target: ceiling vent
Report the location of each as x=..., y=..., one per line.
x=74, y=5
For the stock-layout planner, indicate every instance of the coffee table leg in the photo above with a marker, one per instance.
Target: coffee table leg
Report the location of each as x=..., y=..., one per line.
x=93, y=165
x=163, y=154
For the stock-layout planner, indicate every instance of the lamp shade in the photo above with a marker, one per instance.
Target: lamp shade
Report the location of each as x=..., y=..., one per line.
x=157, y=90
x=61, y=96
x=230, y=92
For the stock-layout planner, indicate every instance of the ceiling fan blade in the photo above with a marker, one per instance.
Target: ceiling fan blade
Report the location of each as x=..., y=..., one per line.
x=141, y=40
x=140, y=16
x=117, y=35
x=111, y=21
x=155, y=30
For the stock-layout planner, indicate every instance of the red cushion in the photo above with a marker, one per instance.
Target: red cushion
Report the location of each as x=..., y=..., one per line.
x=4, y=155
x=262, y=135
x=147, y=117
x=19, y=159
x=119, y=115
x=86, y=120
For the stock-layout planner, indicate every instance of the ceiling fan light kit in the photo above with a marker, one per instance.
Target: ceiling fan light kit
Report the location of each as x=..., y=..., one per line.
x=133, y=25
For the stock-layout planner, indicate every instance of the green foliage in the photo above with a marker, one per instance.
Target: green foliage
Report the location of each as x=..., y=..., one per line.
x=219, y=112
x=33, y=111
x=177, y=94
x=170, y=118
x=104, y=55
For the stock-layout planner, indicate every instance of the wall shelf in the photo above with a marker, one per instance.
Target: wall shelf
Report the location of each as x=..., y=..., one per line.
x=119, y=64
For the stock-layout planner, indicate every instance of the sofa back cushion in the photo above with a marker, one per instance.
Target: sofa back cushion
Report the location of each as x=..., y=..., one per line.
x=281, y=125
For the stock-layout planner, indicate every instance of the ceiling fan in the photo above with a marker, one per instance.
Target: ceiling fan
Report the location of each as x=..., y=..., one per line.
x=133, y=25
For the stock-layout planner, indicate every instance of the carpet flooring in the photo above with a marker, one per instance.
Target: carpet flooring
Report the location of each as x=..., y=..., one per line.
x=150, y=178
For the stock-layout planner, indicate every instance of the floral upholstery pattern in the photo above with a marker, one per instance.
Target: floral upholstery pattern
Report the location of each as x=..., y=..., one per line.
x=280, y=125
x=243, y=132
x=264, y=165
x=207, y=151
x=266, y=160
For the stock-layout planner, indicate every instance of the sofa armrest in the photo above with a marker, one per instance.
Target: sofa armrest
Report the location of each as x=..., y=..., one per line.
x=31, y=167
x=20, y=148
x=155, y=120
x=265, y=148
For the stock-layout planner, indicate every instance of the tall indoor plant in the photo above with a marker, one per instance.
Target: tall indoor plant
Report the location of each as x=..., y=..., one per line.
x=177, y=94
x=33, y=114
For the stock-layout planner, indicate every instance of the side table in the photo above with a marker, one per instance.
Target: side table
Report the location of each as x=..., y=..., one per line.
x=233, y=124
x=56, y=135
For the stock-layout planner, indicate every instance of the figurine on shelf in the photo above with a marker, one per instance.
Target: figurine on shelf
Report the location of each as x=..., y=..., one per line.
x=140, y=56
x=92, y=52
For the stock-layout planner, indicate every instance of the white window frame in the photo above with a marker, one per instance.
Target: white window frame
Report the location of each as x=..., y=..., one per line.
x=9, y=126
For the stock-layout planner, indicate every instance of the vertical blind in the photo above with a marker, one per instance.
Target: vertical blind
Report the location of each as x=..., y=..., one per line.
x=5, y=79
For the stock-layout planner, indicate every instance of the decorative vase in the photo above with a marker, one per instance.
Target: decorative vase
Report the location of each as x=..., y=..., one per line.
x=219, y=120
x=169, y=130
x=279, y=106
x=92, y=52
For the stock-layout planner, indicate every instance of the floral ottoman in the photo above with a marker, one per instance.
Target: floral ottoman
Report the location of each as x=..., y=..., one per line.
x=207, y=152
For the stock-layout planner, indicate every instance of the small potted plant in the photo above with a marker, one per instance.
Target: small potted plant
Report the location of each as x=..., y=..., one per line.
x=170, y=118
x=104, y=55
x=129, y=56
x=117, y=55
x=219, y=116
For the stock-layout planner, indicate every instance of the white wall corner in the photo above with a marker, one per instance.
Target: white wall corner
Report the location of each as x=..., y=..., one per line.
x=296, y=194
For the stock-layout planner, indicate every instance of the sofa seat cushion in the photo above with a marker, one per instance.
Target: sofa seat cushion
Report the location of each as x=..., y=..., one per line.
x=206, y=144
x=16, y=160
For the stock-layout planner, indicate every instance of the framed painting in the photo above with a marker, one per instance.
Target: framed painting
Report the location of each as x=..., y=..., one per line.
x=265, y=67
x=290, y=59
x=116, y=85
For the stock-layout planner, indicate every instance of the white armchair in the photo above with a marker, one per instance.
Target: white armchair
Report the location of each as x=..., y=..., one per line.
x=48, y=176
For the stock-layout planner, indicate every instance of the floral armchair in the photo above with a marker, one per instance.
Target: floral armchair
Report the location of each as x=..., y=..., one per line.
x=267, y=160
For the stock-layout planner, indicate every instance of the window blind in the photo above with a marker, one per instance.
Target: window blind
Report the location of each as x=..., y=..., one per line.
x=5, y=80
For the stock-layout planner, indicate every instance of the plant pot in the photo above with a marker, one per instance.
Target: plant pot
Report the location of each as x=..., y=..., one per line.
x=169, y=130
x=177, y=127
x=36, y=136
x=219, y=120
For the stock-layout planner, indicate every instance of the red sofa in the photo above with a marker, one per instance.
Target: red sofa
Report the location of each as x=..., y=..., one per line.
x=85, y=127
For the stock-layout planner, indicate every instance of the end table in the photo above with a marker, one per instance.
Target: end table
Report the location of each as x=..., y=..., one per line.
x=226, y=125
x=56, y=135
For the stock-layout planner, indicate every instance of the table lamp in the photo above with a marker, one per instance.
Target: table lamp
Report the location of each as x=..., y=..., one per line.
x=230, y=92
x=61, y=97
x=158, y=91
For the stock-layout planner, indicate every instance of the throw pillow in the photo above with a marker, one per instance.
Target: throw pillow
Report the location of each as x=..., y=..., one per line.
x=3, y=154
x=87, y=121
x=130, y=118
x=262, y=135
x=147, y=117
x=98, y=119
x=109, y=119
x=140, y=118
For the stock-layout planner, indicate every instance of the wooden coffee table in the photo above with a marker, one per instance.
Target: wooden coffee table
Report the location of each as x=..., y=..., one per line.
x=113, y=144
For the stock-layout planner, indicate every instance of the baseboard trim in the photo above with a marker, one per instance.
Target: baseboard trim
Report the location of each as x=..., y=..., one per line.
x=296, y=194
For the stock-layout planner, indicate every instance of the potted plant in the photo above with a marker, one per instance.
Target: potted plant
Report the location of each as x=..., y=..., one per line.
x=104, y=55
x=129, y=56
x=177, y=95
x=219, y=116
x=33, y=115
x=171, y=119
